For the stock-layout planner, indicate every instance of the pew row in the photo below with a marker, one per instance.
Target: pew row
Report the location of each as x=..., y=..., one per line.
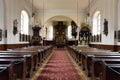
x=34, y=57
x=19, y=67
x=110, y=72
x=96, y=67
x=85, y=55
x=6, y=72
x=28, y=57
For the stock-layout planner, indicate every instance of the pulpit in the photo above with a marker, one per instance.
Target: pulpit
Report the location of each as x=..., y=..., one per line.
x=36, y=38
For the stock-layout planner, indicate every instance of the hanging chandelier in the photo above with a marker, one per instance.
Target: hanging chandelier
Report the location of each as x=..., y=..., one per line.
x=43, y=13
x=88, y=14
x=77, y=11
x=33, y=9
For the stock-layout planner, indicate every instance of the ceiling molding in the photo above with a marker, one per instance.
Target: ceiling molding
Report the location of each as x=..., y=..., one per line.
x=60, y=11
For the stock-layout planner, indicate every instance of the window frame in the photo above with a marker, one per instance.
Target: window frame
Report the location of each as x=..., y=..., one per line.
x=96, y=23
x=24, y=29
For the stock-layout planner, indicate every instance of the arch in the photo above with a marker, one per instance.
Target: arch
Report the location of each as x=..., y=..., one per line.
x=60, y=16
x=24, y=22
x=50, y=21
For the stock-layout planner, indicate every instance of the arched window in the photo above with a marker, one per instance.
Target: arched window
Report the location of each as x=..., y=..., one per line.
x=50, y=33
x=69, y=32
x=96, y=23
x=24, y=22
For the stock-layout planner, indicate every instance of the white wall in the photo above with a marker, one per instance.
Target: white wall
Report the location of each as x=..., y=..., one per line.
x=2, y=19
x=108, y=9
x=118, y=18
x=48, y=14
x=13, y=10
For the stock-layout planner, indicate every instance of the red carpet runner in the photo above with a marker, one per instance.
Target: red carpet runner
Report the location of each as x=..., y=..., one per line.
x=59, y=67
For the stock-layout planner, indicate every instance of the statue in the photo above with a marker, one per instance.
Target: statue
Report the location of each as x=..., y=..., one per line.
x=105, y=27
x=15, y=27
x=74, y=29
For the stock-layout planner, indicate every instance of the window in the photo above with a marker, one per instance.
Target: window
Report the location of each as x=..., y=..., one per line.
x=96, y=23
x=50, y=33
x=69, y=32
x=24, y=22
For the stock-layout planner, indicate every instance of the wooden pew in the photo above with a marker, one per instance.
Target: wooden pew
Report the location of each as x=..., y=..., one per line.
x=38, y=50
x=18, y=67
x=28, y=52
x=87, y=59
x=37, y=53
x=75, y=53
x=28, y=57
x=87, y=53
x=96, y=67
x=6, y=72
x=110, y=72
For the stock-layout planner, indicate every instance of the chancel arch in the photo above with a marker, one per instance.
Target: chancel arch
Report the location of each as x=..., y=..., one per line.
x=58, y=26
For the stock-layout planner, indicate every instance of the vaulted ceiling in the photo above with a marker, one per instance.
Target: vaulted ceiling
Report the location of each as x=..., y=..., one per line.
x=57, y=5
x=60, y=4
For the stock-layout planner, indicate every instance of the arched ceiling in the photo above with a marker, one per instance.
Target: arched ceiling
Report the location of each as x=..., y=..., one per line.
x=54, y=19
x=60, y=4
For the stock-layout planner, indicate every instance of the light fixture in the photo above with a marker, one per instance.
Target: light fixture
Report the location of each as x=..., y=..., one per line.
x=33, y=9
x=77, y=11
x=88, y=14
x=43, y=15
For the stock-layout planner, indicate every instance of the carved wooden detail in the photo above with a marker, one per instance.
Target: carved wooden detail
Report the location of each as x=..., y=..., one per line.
x=36, y=38
x=84, y=35
x=60, y=31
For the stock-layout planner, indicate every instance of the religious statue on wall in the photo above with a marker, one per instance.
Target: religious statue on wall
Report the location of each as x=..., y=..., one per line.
x=15, y=27
x=74, y=29
x=105, y=27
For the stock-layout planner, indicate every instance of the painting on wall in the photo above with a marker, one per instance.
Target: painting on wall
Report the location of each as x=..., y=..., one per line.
x=118, y=35
x=0, y=34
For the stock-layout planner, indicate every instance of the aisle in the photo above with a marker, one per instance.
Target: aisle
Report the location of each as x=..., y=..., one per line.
x=59, y=67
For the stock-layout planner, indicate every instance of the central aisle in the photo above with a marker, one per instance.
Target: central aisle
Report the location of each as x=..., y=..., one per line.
x=59, y=67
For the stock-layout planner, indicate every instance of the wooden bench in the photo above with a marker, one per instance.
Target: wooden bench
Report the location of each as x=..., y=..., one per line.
x=6, y=72
x=86, y=53
x=41, y=53
x=34, y=56
x=18, y=67
x=86, y=58
x=28, y=57
x=75, y=53
x=96, y=67
x=110, y=72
